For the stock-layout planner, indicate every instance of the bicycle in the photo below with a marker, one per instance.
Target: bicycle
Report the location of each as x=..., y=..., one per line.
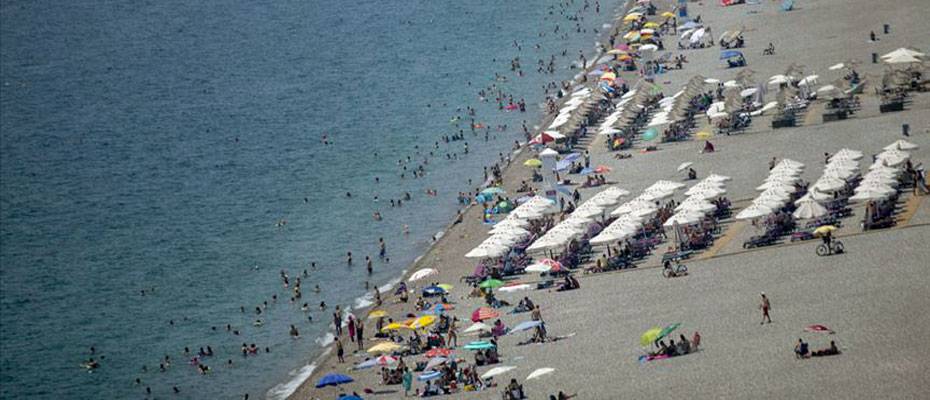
x=835, y=247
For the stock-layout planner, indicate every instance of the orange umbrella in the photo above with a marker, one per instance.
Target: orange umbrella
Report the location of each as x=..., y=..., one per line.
x=484, y=313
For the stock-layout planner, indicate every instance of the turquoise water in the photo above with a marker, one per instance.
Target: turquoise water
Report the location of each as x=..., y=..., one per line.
x=159, y=145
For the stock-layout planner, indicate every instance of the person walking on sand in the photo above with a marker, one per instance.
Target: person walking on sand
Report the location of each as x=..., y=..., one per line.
x=408, y=381
x=339, y=351
x=765, y=306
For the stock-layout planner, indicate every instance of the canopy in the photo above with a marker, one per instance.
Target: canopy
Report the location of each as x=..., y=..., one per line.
x=497, y=371
x=423, y=273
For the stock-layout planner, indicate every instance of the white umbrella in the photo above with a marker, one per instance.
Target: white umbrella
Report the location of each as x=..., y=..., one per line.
x=712, y=81
x=656, y=194
x=903, y=52
x=477, y=327
x=818, y=195
x=664, y=184
x=869, y=194
x=835, y=67
x=848, y=153
x=614, y=235
x=829, y=184
x=538, y=267
x=684, y=166
x=753, y=211
x=423, y=273
x=648, y=47
x=686, y=217
x=901, y=59
x=497, y=371
x=773, y=203
x=778, y=80
x=514, y=288
x=707, y=194
x=809, y=209
x=704, y=185
x=901, y=144
x=838, y=172
x=540, y=372
x=716, y=178
x=730, y=84
x=748, y=92
x=702, y=207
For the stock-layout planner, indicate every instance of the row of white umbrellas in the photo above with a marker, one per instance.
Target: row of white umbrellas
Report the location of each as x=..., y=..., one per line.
x=577, y=105
x=631, y=214
x=697, y=204
x=607, y=126
x=776, y=190
x=577, y=223
x=511, y=230
x=842, y=165
x=882, y=179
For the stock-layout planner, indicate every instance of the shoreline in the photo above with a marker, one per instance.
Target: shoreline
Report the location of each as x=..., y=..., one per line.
x=314, y=367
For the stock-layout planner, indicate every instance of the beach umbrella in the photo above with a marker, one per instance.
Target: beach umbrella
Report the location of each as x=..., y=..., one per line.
x=497, y=371
x=650, y=336
x=533, y=162
x=423, y=321
x=394, y=326
x=754, y=211
x=809, y=209
x=438, y=352
x=829, y=184
x=850, y=154
x=385, y=347
x=484, y=313
x=525, y=326
x=491, y=283
x=477, y=327
x=821, y=230
x=514, y=288
x=479, y=345
x=698, y=207
x=712, y=81
x=648, y=47
x=703, y=135
x=386, y=360
x=349, y=397
x=835, y=67
x=668, y=329
x=716, y=178
x=902, y=59
x=650, y=134
x=602, y=169
x=435, y=362
x=433, y=291
x=375, y=314
x=427, y=376
x=540, y=372
x=683, y=166
x=871, y=193
x=423, y=273
x=902, y=144
x=651, y=25
x=493, y=190
x=333, y=380
x=748, y=92
x=667, y=14
x=903, y=52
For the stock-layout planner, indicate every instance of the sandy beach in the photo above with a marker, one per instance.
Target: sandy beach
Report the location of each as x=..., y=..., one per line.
x=872, y=296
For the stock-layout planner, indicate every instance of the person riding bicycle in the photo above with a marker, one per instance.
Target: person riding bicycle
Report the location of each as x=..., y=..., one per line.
x=827, y=239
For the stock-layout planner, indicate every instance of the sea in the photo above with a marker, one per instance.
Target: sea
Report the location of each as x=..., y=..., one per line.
x=161, y=162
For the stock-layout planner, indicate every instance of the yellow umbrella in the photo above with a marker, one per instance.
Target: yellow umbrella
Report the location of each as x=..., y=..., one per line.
x=645, y=36
x=609, y=76
x=394, y=326
x=668, y=14
x=423, y=322
x=385, y=347
x=650, y=336
x=704, y=135
x=445, y=286
x=824, y=229
x=652, y=25
x=632, y=17
x=533, y=162
x=377, y=314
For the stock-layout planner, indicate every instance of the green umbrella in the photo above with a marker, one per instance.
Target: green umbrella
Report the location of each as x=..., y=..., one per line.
x=650, y=134
x=491, y=284
x=668, y=329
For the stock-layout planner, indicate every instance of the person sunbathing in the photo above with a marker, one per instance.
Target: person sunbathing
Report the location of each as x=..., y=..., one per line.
x=830, y=351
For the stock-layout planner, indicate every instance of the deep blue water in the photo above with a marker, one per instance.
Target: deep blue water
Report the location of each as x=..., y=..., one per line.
x=157, y=144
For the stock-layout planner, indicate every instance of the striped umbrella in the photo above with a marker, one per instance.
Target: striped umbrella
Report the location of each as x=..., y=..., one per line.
x=484, y=313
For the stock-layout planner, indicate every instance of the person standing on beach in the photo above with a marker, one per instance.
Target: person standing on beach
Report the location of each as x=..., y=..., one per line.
x=360, y=333
x=339, y=351
x=337, y=320
x=407, y=381
x=765, y=306
x=351, y=324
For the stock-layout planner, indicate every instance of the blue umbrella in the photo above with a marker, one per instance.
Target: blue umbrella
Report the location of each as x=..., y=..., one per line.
x=350, y=397
x=587, y=171
x=433, y=291
x=730, y=53
x=429, y=376
x=525, y=326
x=333, y=380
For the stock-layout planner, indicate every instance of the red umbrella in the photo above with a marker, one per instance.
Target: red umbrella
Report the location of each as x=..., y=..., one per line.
x=484, y=313
x=601, y=169
x=438, y=352
x=542, y=138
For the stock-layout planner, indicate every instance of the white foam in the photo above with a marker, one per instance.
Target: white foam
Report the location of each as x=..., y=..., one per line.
x=281, y=391
x=326, y=339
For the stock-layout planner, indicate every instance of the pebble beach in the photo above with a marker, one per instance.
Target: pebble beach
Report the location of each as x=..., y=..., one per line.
x=870, y=296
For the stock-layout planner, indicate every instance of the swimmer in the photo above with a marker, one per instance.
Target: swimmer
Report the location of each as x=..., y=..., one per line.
x=294, y=333
x=316, y=289
x=349, y=258
x=258, y=322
